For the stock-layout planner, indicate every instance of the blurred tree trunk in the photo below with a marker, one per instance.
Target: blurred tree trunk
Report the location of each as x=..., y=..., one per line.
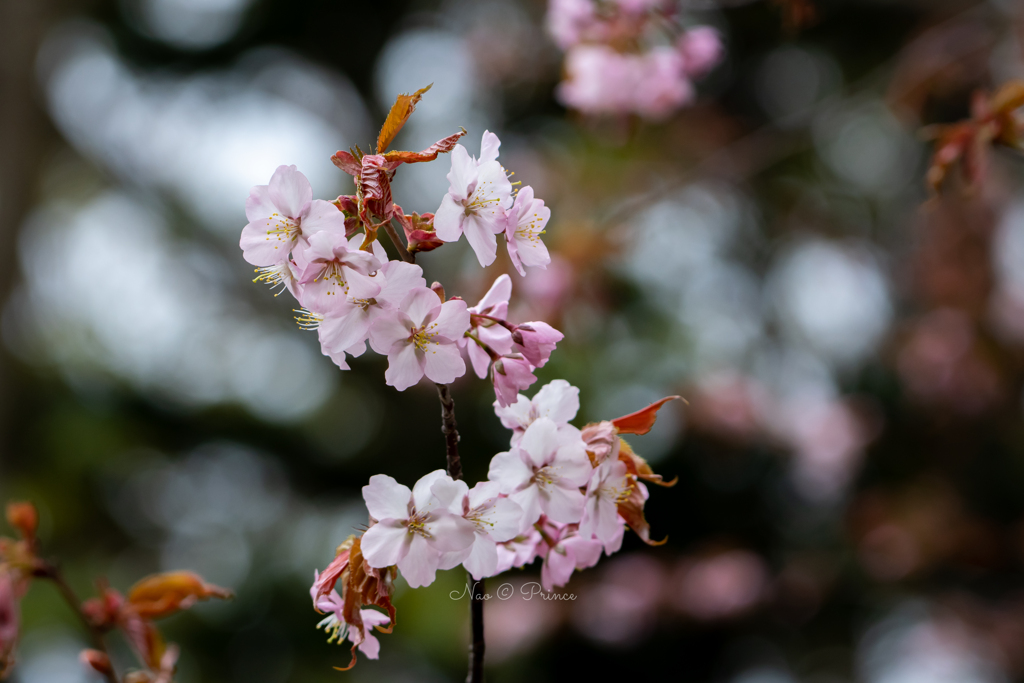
x=25, y=137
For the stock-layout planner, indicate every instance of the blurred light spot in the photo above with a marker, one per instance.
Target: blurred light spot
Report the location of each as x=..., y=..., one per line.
x=791, y=80
x=835, y=298
x=914, y=645
x=107, y=287
x=868, y=147
x=722, y=312
x=190, y=24
x=206, y=139
x=764, y=675
x=50, y=656
x=516, y=624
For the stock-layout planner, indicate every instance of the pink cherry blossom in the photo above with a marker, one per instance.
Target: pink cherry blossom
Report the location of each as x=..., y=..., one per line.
x=338, y=630
x=557, y=400
x=598, y=80
x=609, y=485
x=494, y=335
x=544, y=472
x=565, y=550
x=569, y=21
x=536, y=340
x=702, y=49
x=477, y=199
x=525, y=224
x=9, y=616
x=413, y=528
x=282, y=214
x=496, y=520
x=519, y=551
x=510, y=374
x=334, y=272
x=419, y=338
x=348, y=324
x=661, y=86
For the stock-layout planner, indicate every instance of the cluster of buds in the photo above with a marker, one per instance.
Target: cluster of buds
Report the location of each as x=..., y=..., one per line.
x=559, y=493
x=629, y=56
x=328, y=256
x=19, y=563
x=993, y=121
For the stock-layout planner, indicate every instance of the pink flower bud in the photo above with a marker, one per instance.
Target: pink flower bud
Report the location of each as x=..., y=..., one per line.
x=536, y=341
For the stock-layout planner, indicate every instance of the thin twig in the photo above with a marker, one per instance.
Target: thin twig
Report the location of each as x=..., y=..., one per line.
x=389, y=228
x=54, y=574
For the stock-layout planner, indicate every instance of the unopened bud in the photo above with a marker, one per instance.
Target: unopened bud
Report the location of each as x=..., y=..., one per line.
x=23, y=517
x=97, y=660
x=438, y=289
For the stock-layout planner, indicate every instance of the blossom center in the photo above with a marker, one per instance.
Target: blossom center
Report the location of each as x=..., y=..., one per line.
x=283, y=228
x=417, y=524
x=422, y=336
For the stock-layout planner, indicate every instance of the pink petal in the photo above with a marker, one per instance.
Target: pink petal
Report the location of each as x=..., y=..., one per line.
x=510, y=471
x=452, y=321
x=420, y=304
x=463, y=176
x=443, y=363
x=482, y=561
x=389, y=329
x=291, y=192
x=420, y=564
x=259, y=205
x=562, y=503
x=448, y=220
x=489, y=147
x=385, y=543
x=480, y=236
x=540, y=442
x=386, y=499
x=323, y=217
x=261, y=247
x=405, y=366
x=449, y=533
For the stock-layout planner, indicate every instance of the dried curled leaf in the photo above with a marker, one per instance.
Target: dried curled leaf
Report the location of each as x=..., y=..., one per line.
x=400, y=112
x=632, y=510
x=161, y=595
x=639, y=468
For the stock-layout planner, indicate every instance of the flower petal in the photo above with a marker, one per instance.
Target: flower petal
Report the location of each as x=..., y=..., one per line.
x=386, y=499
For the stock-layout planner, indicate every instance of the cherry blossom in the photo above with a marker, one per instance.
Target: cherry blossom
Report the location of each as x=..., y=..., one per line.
x=565, y=550
x=284, y=275
x=282, y=215
x=702, y=49
x=509, y=374
x=569, y=21
x=334, y=272
x=413, y=528
x=486, y=330
x=519, y=551
x=536, y=341
x=525, y=224
x=609, y=485
x=419, y=338
x=477, y=199
x=496, y=520
x=557, y=400
x=544, y=472
x=348, y=326
x=338, y=630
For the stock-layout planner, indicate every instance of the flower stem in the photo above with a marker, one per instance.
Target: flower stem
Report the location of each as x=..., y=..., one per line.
x=476, y=606
x=389, y=228
x=54, y=574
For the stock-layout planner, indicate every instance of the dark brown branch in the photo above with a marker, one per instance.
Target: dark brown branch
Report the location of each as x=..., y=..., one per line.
x=450, y=429
x=476, y=594
x=54, y=574
x=389, y=228
x=477, y=646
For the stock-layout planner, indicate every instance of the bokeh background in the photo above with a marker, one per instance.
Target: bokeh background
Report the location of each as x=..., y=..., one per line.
x=851, y=461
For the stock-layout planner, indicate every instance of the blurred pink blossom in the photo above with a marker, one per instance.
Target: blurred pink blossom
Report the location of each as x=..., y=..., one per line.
x=720, y=586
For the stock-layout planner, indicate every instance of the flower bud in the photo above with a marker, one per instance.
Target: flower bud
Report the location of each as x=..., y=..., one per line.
x=23, y=517
x=438, y=289
x=97, y=660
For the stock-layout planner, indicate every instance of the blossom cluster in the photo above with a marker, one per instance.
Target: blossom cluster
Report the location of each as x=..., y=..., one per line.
x=619, y=61
x=327, y=255
x=559, y=493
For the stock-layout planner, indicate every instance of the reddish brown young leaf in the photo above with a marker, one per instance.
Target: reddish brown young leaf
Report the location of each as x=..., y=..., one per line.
x=641, y=421
x=443, y=145
x=161, y=595
x=346, y=162
x=400, y=112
